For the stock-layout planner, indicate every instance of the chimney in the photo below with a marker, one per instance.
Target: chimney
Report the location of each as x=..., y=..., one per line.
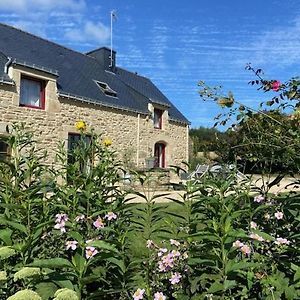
x=102, y=55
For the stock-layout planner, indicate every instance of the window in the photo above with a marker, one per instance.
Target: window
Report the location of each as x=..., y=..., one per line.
x=160, y=155
x=32, y=92
x=106, y=89
x=4, y=151
x=157, y=120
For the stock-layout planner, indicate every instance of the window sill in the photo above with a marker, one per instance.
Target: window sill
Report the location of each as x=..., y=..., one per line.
x=32, y=106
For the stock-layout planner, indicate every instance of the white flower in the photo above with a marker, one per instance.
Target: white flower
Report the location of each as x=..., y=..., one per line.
x=238, y=244
x=281, y=241
x=174, y=242
x=110, y=216
x=278, y=215
x=253, y=225
x=71, y=245
x=259, y=198
x=257, y=237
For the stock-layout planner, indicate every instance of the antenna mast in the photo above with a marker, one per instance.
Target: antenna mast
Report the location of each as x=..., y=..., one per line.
x=112, y=17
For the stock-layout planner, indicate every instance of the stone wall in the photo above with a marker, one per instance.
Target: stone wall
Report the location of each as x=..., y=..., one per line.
x=133, y=135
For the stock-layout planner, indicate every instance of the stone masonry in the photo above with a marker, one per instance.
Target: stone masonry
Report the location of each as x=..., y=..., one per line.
x=130, y=132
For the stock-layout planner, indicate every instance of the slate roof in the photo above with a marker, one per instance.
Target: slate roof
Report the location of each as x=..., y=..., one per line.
x=77, y=73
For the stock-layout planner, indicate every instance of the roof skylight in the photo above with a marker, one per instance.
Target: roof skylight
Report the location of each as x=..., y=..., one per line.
x=104, y=87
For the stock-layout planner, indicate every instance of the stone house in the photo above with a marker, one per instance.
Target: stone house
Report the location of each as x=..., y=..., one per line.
x=50, y=87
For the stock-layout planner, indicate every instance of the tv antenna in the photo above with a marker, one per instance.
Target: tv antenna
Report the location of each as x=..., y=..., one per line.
x=113, y=17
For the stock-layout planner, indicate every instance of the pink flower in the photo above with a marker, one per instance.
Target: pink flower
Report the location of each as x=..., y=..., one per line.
x=259, y=198
x=237, y=244
x=166, y=263
x=281, y=241
x=161, y=251
x=150, y=244
x=79, y=218
x=245, y=249
x=90, y=252
x=174, y=242
x=175, y=253
x=71, y=245
x=110, y=216
x=61, y=218
x=276, y=85
x=279, y=215
x=159, y=296
x=139, y=294
x=257, y=237
x=99, y=223
x=253, y=225
x=60, y=226
x=175, y=278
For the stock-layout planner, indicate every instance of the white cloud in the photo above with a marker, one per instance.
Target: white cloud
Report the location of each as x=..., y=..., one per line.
x=41, y=5
x=93, y=32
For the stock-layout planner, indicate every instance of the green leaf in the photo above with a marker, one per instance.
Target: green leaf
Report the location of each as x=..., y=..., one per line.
x=15, y=225
x=118, y=262
x=228, y=284
x=52, y=263
x=215, y=287
x=103, y=245
x=5, y=236
x=79, y=262
x=46, y=290
x=76, y=236
x=235, y=266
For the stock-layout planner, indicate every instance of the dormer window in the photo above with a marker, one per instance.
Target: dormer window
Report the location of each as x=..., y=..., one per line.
x=106, y=89
x=157, y=118
x=32, y=92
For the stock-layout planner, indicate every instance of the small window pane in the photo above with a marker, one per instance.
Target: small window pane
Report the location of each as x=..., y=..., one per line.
x=30, y=92
x=157, y=118
x=4, y=151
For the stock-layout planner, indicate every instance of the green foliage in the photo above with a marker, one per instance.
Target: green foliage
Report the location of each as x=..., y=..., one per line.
x=263, y=140
x=61, y=226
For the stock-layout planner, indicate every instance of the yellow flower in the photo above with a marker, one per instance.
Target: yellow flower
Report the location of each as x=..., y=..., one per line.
x=107, y=142
x=80, y=125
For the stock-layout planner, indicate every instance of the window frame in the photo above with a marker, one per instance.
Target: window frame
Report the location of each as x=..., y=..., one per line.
x=158, y=114
x=42, y=92
x=160, y=155
x=5, y=155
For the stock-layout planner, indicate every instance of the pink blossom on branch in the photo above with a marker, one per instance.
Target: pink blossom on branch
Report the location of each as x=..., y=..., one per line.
x=276, y=85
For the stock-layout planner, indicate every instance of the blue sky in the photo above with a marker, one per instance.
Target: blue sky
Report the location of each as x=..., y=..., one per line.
x=177, y=43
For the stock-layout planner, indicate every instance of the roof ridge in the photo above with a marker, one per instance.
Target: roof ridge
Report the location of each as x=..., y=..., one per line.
x=134, y=73
x=45, y=40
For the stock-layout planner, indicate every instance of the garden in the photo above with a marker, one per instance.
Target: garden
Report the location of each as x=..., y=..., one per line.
x=68, y=231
